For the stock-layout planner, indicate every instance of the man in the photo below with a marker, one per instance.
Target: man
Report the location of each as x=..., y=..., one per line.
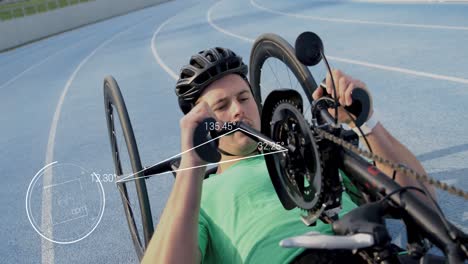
x=238, y=217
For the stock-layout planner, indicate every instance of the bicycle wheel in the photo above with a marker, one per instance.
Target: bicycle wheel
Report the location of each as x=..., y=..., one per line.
x=273, y=59
x=136, y=188
x=273, y=66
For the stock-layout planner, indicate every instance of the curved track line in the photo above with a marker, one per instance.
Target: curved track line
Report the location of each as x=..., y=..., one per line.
x=47, y=246
x=222, y=30
x=401, y=70
x=351, y=61
x=155, y=51
x=354, y=21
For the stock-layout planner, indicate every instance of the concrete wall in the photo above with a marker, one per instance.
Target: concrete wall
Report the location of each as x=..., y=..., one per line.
x=19, y=31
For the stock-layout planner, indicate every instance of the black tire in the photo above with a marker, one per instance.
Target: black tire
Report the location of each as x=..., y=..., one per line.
x=113, y=99
x=273, y=46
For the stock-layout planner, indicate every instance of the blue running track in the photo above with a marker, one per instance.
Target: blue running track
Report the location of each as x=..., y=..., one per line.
x=413, y=57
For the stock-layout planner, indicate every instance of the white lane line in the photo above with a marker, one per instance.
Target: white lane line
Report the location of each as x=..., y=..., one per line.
x=210, y=21
x=351, y=61
x=354, y=21
x=47, y=246
x=402, y=70
x=450, y=181
x=155, y=50
x=42, y=62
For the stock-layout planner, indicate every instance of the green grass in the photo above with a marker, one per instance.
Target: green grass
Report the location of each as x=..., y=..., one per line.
x=21, y=4
x=31, y=7
x=30, y=10
x=41, y=8
x=18, y=12
x=52, y=5
x=5, y=16
x=63, y=3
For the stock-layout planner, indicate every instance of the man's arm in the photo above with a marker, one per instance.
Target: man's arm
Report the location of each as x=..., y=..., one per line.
x=176, y=237
x=382, y=142
x=386, y=146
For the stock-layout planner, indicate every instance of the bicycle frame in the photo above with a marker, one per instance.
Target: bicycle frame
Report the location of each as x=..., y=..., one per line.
x=424, y=216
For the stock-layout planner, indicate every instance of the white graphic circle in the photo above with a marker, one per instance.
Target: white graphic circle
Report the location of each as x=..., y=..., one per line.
x=65, y=203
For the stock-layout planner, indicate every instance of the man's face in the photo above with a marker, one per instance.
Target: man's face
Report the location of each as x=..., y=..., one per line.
x=230, y=99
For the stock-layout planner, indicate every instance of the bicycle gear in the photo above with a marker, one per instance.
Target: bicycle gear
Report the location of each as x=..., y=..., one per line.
x=297, y=182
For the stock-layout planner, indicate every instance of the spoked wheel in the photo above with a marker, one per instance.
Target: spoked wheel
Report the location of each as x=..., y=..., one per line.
x=273, y=66
x=134, y=191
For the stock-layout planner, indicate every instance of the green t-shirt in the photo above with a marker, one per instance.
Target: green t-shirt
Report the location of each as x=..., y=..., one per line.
x=242, y=219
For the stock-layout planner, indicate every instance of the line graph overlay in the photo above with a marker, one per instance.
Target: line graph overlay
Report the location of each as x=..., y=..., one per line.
x=282, y=149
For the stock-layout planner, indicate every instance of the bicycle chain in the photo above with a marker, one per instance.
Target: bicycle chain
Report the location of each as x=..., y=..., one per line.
x=398, y=167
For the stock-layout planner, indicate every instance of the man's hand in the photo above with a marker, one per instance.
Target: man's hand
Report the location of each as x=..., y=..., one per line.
x=188, y=124
x=344, y=85
x=382, y=142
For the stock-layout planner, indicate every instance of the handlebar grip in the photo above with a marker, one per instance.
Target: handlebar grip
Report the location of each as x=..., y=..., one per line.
x=315, y=240
x=360, y=107
x=205, y=144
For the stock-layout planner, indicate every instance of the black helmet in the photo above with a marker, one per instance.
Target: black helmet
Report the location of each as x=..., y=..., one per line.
x=204, y=68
